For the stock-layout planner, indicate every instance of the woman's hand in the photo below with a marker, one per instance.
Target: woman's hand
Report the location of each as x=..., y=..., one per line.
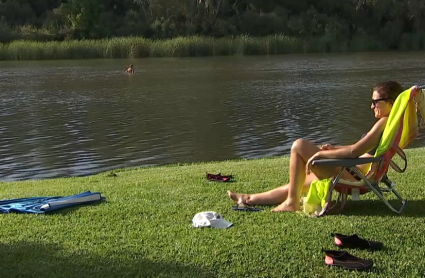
x=415, y=89
x=316, y=156
x=327, y=147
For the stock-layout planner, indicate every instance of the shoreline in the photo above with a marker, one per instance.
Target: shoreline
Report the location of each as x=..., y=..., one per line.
x=284, y=158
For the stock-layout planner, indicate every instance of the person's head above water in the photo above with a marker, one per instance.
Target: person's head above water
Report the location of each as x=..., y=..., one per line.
x=383, y=97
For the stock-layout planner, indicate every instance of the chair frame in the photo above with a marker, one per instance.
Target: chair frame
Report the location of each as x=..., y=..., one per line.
x=369, y=184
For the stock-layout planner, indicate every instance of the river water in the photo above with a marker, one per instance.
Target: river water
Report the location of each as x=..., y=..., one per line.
x=80, y=117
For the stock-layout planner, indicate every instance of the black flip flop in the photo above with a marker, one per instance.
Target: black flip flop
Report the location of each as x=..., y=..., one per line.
x=354, y=241
x=246, y=208
x=346, y=260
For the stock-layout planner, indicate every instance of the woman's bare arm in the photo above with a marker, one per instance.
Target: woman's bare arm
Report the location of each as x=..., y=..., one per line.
x=367, y=143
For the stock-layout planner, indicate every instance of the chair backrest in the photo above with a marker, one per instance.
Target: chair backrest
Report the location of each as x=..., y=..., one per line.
x=401, y=129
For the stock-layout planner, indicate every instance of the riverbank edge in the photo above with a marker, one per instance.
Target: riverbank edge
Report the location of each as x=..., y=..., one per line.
x=195, y=46
x=414, y=152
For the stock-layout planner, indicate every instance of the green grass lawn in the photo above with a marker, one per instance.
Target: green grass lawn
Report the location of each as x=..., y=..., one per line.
x=144, y=228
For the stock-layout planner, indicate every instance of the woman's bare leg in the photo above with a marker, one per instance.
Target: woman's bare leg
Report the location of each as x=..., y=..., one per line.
x=289, y=195
x=271, y=197
x=301, y=151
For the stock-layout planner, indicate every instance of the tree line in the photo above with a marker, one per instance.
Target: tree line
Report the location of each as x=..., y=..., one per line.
x=386, y=21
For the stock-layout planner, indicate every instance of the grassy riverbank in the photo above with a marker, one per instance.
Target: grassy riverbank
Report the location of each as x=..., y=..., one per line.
x=144, y=228
x=137, y=47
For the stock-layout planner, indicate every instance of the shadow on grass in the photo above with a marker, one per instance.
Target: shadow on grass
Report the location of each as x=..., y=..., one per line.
x=414, y=208
x=25, y=259
x=67, y=210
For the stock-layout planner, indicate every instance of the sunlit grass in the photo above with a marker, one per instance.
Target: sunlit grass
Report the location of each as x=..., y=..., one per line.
x=144, y=228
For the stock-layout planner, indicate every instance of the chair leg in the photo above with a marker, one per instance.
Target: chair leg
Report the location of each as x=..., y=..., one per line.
x=334, y=205
x=328, y=206
x=342, y=200
x=391, y=188
x=375, y=188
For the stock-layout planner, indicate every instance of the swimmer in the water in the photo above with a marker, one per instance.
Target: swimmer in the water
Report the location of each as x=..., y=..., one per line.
x=130, y=69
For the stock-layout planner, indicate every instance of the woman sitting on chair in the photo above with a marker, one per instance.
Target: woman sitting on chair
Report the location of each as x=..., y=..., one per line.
x=303, y=152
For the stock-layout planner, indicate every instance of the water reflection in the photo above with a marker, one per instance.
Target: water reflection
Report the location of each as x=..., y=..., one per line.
x=68, y=118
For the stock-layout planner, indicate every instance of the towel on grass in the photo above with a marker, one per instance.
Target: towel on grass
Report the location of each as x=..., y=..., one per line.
x=47, y=204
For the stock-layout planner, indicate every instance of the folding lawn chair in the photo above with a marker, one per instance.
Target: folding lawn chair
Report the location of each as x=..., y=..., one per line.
x=401, y=129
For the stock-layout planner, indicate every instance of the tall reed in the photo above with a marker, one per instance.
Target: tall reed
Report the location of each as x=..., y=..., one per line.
x=138, y=47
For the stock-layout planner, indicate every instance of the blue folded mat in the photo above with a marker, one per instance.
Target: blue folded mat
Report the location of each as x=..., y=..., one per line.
x=46, y=204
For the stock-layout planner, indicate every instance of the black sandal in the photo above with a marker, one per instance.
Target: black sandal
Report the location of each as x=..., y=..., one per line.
x=346, y=260
x=355, y=241
x=244, y=207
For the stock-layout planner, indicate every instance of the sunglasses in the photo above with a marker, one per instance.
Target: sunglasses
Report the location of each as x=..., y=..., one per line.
x=375, y=101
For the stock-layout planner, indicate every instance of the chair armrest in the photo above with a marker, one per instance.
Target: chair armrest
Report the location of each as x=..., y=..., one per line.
x=345, y=162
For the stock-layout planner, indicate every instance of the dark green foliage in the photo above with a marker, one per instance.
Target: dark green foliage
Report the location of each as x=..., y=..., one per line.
x=334, y=25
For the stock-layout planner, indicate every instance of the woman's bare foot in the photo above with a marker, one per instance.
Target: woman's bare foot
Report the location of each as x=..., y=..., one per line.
x=286, y=207
x=238, y=197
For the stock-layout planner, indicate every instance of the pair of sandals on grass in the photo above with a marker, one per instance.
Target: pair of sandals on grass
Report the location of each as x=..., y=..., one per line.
x=345, y=259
